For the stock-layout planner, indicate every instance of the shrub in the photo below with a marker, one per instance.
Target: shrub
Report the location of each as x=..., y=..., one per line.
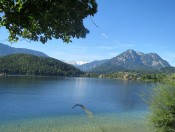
x=163, y=107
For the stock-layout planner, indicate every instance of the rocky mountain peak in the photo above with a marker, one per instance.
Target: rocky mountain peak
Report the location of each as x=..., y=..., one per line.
x=130, y=60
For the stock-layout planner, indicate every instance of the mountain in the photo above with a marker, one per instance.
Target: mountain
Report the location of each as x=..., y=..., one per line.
x=128, y=60
x=7, y=50
x=92, y=65
x=26, y=64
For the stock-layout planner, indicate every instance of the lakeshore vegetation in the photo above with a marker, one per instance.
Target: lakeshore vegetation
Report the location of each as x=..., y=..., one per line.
x=162, y=104
x=156, y=76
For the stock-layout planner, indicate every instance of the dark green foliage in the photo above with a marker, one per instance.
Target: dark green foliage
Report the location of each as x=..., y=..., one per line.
x=153, y=77
x=163, y=107
x=92, y=75
x=42, y=20
x=25, y=64
x=132, y=75
x=168, y=70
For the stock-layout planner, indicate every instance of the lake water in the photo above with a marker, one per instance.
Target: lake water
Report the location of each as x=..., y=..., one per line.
x=42, y=104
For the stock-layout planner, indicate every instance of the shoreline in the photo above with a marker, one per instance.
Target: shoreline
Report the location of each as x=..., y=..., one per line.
x=127, y=122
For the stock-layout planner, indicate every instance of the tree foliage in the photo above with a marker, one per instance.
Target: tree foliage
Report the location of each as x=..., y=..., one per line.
x=42, y=20
x=163, y=107
x=168, y=70
x=131, y=75
x=25, y=64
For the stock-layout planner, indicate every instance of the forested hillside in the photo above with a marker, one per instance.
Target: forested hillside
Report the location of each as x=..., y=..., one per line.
x=25, y=64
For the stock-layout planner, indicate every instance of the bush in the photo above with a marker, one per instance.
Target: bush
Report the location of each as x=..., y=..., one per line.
x=163, y=107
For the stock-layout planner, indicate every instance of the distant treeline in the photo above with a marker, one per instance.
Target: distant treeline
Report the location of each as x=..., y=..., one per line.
x=154, y=76
x=25, y=64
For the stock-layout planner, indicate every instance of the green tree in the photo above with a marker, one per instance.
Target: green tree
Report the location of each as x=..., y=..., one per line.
x=42, y=20
x=163, y=107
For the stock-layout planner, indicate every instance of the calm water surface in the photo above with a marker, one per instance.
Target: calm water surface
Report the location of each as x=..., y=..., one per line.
x=45, y=104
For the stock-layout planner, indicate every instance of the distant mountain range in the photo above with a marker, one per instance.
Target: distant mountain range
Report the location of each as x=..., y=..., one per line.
x=7, y=50
x=128, y=60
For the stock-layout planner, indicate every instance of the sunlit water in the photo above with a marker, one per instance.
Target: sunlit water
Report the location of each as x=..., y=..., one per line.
x=42, y=104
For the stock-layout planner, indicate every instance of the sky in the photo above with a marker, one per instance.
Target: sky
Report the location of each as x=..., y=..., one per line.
x=147, y=26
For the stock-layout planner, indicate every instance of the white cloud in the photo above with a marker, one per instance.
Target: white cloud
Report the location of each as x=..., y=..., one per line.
x=83, y=54
x=81, y=62
x=125, y=45
x=115, y=41
x=104, y=35
x=104, y=47
x=112, y=54
x=72, y=62
x=71, y=57
x=111, y=47
x=119, y=44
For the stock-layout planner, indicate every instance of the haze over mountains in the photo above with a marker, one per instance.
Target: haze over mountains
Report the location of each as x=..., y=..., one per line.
x=128, y=60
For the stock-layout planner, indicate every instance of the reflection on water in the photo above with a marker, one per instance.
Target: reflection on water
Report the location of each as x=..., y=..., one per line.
x=45, y=101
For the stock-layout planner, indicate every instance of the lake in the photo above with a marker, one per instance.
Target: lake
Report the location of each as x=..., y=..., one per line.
x=42, y=104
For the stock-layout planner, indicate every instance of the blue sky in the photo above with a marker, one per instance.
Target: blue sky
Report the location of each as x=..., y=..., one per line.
x=143, y=25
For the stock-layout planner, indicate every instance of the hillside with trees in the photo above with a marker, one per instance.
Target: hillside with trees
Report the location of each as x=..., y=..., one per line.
x=25, y=64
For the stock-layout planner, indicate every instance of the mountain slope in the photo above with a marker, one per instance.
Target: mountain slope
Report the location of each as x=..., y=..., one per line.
x=92, y=65
x=128, y=60
x=132, y=60
x=7, y=50
x=25, y=64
